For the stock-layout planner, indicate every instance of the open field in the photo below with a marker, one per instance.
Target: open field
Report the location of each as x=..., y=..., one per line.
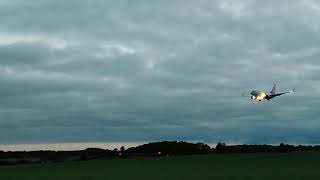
x=221, y=166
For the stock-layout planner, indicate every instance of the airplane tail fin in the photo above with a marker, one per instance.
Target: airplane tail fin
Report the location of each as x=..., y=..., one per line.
x=273, y=91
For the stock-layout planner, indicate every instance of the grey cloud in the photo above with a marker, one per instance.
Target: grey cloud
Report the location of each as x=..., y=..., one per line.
x=144, y=71
x=23, y=54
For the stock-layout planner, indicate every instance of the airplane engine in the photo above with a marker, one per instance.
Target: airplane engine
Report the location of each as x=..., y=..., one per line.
x=253, y=97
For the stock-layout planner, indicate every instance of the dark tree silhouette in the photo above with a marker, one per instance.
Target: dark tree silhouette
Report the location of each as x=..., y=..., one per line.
x=164, y=148
x=83, y=156
x=221, y=147
x=122, y=149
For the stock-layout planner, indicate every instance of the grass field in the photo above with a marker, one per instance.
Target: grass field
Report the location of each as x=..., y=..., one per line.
x=230, y=166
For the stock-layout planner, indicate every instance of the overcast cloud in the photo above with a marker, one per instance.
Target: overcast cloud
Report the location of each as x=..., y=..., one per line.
x=140, y=71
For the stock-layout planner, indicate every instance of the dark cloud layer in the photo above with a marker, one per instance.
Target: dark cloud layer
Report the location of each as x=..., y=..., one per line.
x=79, y=71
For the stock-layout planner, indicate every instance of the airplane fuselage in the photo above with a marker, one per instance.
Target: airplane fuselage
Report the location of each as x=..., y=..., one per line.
x=258, y=95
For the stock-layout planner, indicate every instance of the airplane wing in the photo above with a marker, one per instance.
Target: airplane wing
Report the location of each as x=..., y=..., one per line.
x=279, y=94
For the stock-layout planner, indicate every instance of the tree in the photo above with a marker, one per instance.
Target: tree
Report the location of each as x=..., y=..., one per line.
x=221, y=147
x=122, y=149
x=83, y=155
x=285, y=148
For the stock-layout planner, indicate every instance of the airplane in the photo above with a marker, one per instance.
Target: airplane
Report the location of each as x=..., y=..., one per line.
x=260, y=95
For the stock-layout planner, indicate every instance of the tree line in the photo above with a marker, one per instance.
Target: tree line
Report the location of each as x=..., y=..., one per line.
x=281, y=148
x=155, y=149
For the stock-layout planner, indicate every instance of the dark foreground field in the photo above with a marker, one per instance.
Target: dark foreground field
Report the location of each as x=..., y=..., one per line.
x=221, y=166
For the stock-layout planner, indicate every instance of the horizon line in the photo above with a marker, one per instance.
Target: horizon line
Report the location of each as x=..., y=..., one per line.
x=72, y=146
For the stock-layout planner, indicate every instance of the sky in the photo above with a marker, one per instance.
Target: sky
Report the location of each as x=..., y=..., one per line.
x=141, y=71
